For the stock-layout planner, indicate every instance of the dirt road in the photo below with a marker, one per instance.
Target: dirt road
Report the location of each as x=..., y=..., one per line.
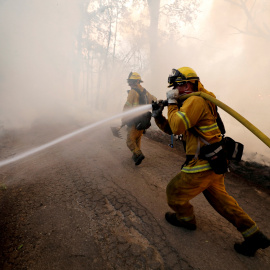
x=82, y=204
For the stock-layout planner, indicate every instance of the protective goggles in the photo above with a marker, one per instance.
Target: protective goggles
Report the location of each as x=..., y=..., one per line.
x=175, y=84
x=174, y=75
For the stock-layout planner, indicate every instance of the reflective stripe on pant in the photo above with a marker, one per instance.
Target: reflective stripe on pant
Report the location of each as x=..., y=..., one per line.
x=134, y=137
x=185, y=186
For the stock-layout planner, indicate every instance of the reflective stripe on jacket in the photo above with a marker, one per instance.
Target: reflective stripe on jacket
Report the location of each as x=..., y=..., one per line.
x=194, y=114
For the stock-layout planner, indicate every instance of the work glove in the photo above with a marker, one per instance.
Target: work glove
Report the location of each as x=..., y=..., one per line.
x=172, y=96
x=157, y=108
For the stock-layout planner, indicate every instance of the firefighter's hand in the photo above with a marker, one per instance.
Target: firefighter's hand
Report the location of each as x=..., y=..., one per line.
x=172, y=96
x=157, y=108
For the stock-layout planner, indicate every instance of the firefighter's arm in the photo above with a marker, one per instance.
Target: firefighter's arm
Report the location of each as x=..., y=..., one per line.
x=150, y=97
x=176, y=121
x=163, y=124
x=131, y=100
x=187, y=116
x=161, y=121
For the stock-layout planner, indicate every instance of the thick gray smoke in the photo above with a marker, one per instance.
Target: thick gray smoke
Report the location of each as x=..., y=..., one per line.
x=237, y=68
x=37, y=51
x=231, y=57
x=228, y=52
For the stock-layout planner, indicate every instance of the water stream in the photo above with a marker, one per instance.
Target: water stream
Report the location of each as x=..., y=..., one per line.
x=133, y=112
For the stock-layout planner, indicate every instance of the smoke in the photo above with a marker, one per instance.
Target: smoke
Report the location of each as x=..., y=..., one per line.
x=227, y=49
x=231, y=57
x=36, y=54
x=238, y=70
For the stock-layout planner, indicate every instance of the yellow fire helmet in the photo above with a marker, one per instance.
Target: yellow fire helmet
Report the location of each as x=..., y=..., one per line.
x=181, y=76
x=134, y=76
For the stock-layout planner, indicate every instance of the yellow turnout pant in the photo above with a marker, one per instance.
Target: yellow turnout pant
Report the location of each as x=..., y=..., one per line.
x=134, y=137
x=185, y=186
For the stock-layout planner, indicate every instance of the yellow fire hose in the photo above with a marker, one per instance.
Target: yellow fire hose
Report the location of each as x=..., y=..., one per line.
x=234, y=114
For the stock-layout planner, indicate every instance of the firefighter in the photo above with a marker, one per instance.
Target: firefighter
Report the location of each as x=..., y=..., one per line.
x=195, y=118
x=137, y=95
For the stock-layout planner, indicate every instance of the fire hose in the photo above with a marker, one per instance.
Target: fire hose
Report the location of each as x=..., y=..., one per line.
x=230, y=111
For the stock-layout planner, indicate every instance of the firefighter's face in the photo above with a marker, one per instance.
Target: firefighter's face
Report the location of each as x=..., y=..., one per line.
x=184, y=89
x=133, y=82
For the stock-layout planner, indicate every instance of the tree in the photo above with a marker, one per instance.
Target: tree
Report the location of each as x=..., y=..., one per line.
x=256, y=24
x=124, y=35
x=172, y=13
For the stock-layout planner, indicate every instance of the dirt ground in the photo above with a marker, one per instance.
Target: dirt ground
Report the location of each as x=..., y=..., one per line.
x=83, y=204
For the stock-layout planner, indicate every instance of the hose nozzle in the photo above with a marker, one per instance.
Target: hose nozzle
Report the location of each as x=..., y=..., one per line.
x=158, y=106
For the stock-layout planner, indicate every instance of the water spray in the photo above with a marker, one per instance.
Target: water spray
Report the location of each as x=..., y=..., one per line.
x=135, y=111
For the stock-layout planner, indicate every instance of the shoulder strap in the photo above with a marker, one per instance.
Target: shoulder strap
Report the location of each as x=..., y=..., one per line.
x=220, y=124
x=218, y=119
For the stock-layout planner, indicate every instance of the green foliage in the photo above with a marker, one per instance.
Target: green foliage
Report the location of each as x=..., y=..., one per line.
x=3, y=187
x=20, y=247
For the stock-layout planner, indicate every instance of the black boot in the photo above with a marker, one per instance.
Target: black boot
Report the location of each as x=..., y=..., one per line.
x=138, y=158
x=172, y=219
x=252, y=244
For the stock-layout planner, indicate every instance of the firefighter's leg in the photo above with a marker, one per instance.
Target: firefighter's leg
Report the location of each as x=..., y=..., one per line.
x=139, y=139
x=181, y=189
x=229, y=209
x=132, y=139
x=133, y=143
x=227, y=206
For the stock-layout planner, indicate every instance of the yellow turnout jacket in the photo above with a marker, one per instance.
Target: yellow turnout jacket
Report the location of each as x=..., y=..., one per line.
x=198, y=114
x=133, y=97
